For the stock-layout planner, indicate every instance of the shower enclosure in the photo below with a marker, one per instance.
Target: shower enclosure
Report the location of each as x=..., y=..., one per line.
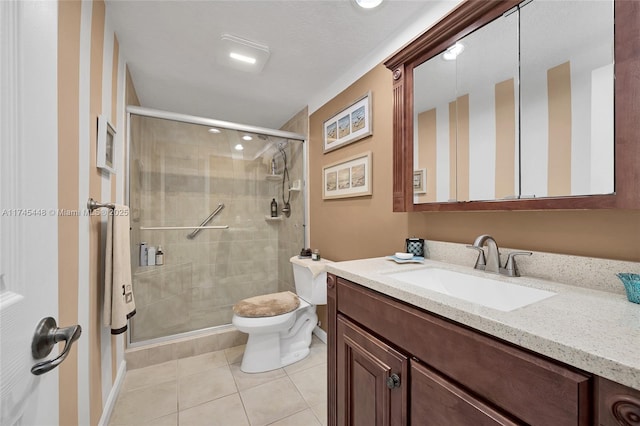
x=184, y=170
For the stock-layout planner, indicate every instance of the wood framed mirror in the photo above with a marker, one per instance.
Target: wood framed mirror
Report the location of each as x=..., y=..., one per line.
x=471, y=17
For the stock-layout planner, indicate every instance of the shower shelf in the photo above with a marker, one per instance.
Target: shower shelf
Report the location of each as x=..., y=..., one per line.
x=273, y=177
x=273, y=219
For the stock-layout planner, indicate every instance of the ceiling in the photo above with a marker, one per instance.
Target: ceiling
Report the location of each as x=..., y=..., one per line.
x=171, y=47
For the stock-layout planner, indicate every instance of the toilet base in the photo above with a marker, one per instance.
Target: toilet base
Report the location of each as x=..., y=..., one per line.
x=270, y=351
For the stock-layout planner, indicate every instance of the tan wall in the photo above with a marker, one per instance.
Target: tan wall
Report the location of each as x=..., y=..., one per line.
x=353, y=228
x=76, y=405
x=364, y=227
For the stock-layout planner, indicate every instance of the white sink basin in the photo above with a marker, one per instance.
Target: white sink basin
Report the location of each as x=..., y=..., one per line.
x=488, y=292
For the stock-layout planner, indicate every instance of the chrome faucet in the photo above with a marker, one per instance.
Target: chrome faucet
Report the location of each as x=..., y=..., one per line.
x=491, y=262
x=492, y=259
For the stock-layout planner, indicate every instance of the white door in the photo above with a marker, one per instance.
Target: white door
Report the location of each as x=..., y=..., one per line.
x=28, y=199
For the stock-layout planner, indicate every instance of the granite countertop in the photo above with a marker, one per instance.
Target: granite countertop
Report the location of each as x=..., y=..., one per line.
x=593, y=330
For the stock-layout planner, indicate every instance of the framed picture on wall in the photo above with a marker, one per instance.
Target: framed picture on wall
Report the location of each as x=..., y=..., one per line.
x=349, y=125
x=347, y=178
x=420, y=181
x=106, y=152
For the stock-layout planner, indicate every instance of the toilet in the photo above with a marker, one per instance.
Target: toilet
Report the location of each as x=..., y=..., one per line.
x=279, y=325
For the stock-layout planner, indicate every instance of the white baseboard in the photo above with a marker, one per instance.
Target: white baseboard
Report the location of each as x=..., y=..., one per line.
x=321, y=334
x=113, y=395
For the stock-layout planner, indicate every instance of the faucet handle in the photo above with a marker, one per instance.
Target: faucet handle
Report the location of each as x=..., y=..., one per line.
x=511, y=268
x=481, y=262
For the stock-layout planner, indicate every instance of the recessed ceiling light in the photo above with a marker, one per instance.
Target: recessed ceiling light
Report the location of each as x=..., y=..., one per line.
x=242, y=58
x=368, y=4
x=452, y=53
x=239, y=147
x=247, y=138
x=214, y=130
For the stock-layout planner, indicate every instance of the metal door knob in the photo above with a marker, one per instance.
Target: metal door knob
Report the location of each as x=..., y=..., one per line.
x=46, y=336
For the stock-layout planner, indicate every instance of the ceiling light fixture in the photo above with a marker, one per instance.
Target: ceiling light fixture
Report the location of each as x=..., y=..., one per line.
x=247, y=138
x=242, y=54
x=242, y=58
x=214, y=130
x=453, y=52
x=368, y=4
x=239, y=147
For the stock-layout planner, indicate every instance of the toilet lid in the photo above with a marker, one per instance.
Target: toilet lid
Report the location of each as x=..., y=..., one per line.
x=267, y=305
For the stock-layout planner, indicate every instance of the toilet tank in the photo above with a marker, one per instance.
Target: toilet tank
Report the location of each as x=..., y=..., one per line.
x=310, y=288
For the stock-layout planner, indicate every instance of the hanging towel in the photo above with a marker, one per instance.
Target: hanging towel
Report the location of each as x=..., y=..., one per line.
x=119, y=305
x=315, y=266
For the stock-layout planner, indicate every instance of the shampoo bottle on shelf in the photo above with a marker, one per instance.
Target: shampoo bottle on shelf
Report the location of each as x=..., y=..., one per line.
x=274, y=208
x=159, y=256
x=143, y=254
x=151, y=258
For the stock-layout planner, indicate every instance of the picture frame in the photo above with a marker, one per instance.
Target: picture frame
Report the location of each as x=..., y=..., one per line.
x=106, y=150
x=349, y=125
x=420, y=181
x=347, y=178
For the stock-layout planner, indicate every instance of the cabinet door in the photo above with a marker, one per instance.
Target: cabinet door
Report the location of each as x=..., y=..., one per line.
x=437, y=401
x=367, y=394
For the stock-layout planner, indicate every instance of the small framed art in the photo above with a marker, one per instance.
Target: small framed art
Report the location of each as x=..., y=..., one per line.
x=106, y=145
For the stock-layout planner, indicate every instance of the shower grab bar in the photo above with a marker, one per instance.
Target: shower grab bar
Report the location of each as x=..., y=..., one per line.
x=204, y=222
x=170, y=228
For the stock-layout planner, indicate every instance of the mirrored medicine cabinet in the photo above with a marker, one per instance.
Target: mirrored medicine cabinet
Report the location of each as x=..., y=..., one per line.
x=509, y=105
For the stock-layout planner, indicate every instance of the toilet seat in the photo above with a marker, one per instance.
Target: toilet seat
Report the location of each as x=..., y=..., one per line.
x=267, y=305
x=266, y=322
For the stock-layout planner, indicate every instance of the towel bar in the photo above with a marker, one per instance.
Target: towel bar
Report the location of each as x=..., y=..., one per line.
x=93, y=205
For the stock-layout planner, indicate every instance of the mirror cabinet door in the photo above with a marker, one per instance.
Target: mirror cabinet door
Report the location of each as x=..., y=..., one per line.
x=520, y=108
x=434, y=147
x=567, y=109
x=487, y=112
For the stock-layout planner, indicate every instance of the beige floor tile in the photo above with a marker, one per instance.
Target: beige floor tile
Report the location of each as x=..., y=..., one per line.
x=317, y=355
x=303, y=418
x=312, y=384
x=250, y=380
x=199, y=363
x=234, y=354
x=205, y=386
x=321, y=411
x=170, y=420
x=144, y=404
x=225, y=411
x=147, y=376
x=272, y=401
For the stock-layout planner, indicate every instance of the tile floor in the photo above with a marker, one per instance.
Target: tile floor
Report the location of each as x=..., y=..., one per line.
x=211, y=390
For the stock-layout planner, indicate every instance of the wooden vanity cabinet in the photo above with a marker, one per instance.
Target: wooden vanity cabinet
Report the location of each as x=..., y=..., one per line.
x=447, y=374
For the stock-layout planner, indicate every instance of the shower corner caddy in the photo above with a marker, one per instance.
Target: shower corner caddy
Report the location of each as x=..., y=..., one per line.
x=273, y=219
x=273, y=177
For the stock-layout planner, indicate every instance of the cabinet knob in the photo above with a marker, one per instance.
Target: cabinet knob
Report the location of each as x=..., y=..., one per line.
x=393, y=381
x=331, y=281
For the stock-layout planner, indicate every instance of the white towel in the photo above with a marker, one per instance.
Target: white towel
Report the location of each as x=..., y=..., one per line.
x=119, y=305
x=315, y=266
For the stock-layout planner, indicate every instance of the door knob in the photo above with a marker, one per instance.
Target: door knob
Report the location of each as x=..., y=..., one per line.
x=393, y=381
x=46, y=336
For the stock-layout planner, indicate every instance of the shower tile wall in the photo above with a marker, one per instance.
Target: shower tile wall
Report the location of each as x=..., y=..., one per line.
x=179, y=183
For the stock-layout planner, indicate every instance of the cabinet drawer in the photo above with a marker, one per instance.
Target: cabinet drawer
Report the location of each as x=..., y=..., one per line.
x=437, y=401
x=533, y=389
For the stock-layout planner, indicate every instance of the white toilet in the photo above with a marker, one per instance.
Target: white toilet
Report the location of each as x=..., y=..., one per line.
x=279, y=340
